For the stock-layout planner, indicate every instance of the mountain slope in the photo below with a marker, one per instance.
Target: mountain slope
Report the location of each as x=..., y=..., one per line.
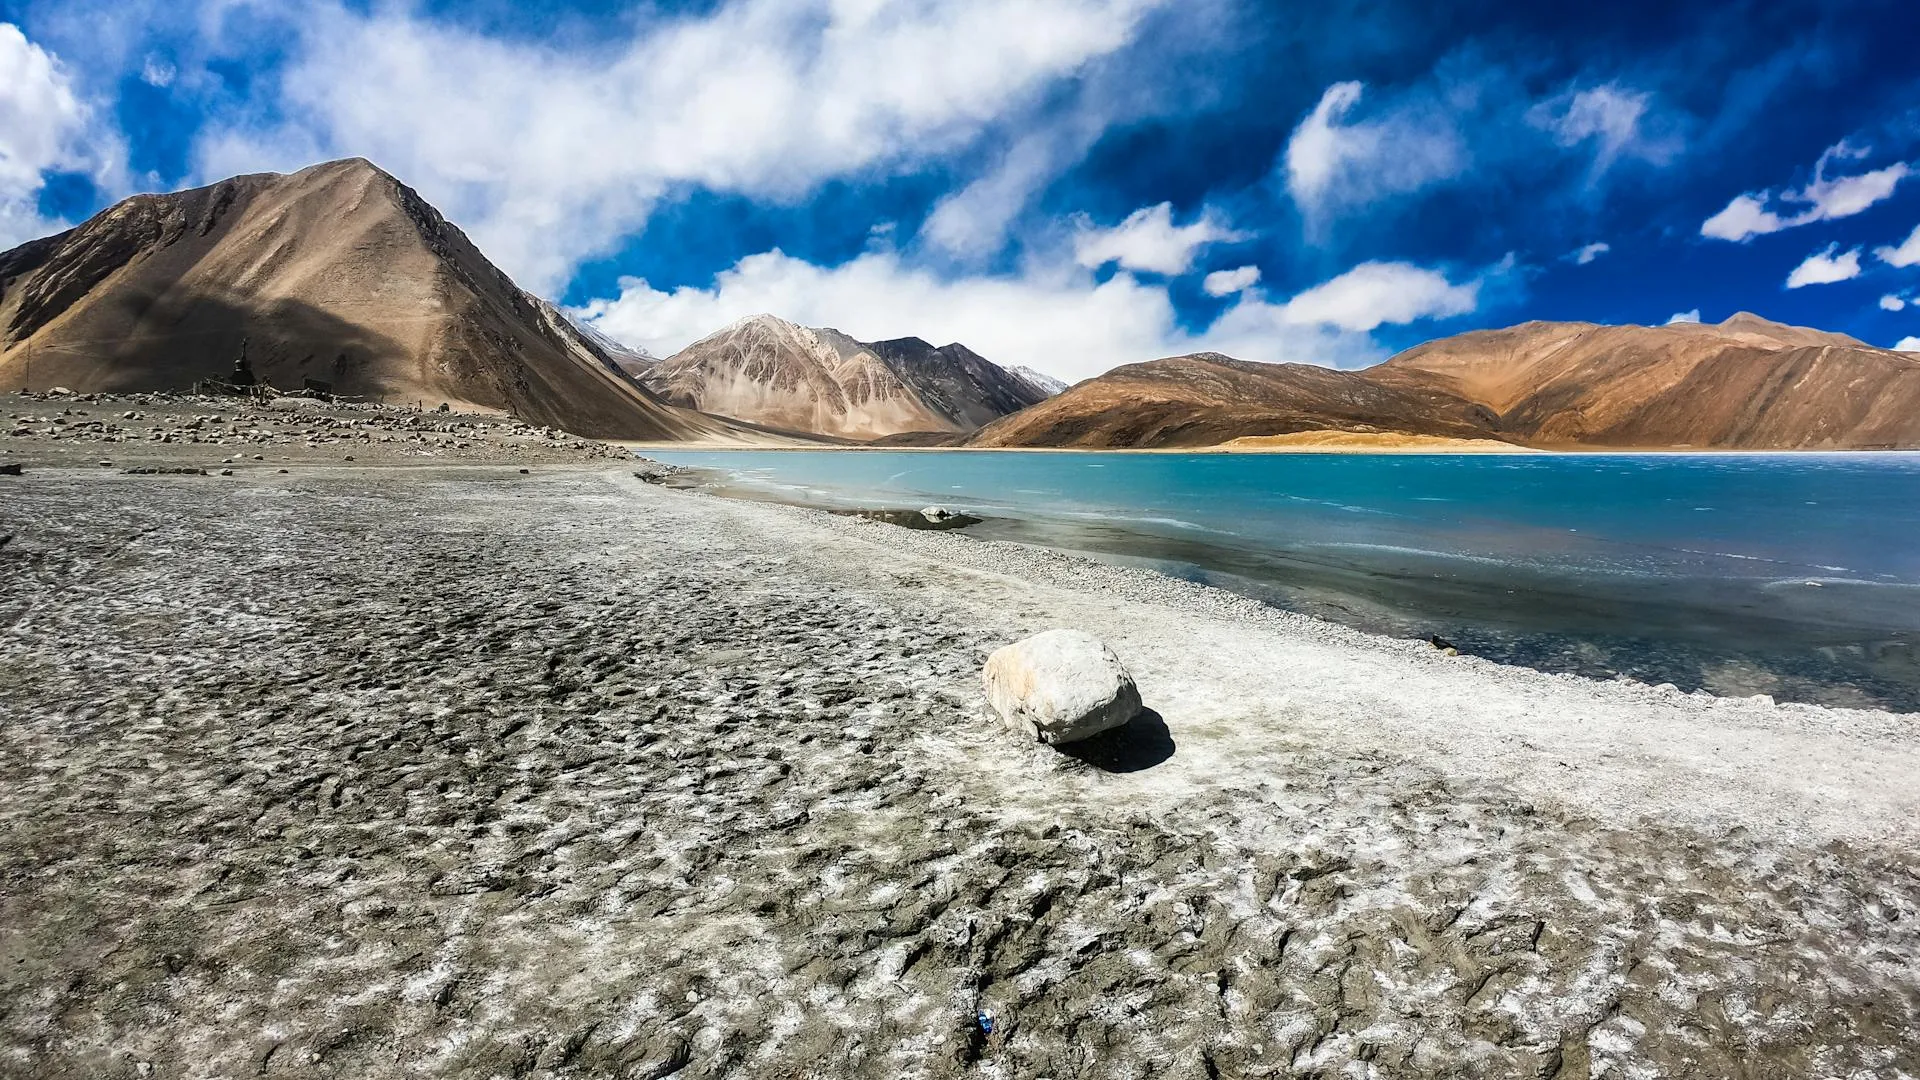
x=1746, y=383
x=337, y=273
x=1206, y=398
x=766, y=370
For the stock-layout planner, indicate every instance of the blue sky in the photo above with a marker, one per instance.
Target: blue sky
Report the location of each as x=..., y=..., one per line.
x=1071, y=185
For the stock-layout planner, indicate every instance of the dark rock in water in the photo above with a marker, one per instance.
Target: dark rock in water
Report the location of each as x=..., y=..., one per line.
x=11, y=468
x=914, y=519
x=166, y=470
x=1444, y=645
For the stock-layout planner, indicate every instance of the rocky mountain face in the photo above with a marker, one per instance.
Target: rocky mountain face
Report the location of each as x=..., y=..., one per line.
x=1040, y=380
x=769, y=371
x=1746, y=383
x=337, y=274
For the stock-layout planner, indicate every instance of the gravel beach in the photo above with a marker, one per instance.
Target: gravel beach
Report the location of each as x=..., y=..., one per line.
x=460, y=770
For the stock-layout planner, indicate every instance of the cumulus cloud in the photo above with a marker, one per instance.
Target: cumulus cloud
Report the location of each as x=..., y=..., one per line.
x=1891, y=302
x=548, y=156
x=1149, y=240
x=1053, y=316
x=1381, y=292
x=1615, y=119
x=1824, y=198
x=1680, y=317
x=1228, y=282
x=1906, y=253
x=1826, y=267
x=1908, y=344
x=44, y=126
x=1335, y=161
x=1587, y=254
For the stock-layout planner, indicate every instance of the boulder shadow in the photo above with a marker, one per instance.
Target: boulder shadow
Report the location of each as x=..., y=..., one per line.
x=1137, y=745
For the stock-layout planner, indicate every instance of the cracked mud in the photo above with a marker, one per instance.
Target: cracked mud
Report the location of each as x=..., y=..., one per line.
x=471, y=773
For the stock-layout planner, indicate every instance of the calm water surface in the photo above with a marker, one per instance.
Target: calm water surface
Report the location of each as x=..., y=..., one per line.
x=1794, y=575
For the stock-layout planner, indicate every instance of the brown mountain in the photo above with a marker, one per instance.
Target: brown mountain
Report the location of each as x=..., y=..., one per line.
x=337, y=273
x=1746, y=383
x=1206, y=399
x=769, y=371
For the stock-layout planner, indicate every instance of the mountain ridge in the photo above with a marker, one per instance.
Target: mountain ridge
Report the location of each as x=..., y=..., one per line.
x=1744, y=383
x=767, y=370
x=337, y=273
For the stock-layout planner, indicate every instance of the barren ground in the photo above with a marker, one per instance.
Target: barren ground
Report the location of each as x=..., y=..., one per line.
x=459, y=771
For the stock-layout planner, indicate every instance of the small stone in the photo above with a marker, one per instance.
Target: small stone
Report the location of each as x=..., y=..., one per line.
x=936, y=513
x=226, y=472
x=1060, y=686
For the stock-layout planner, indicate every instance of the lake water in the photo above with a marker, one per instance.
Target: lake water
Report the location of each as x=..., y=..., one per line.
x=1793, y=575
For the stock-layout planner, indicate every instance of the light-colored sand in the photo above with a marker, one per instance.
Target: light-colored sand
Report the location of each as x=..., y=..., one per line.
x=394, y=772
x=1368, y=442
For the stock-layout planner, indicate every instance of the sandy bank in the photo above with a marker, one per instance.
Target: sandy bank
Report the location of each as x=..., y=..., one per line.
x=404, y=772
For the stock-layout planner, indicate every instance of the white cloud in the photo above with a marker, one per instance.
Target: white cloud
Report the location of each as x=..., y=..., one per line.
x=547, y=156
x=44, y=126
x=1612, y=117
x=1680, y=317
x=1054, y=315
x=1906, y=254
x=1825, y=267
x=1381, y=292
x=1587, y=254
x=1908, y=344
x=973, y=221
x=1332, y=162
x=157, y=72
x=1228, y=282
x=1745, y=217
x=1825, y=198
x=1149, y=240
x=1891, y=302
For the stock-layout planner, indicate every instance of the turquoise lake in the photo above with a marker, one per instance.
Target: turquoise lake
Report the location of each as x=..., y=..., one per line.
x=1793, y=575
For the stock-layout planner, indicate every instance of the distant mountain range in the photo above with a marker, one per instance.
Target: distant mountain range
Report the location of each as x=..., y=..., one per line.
x=340, y=275
x=1746, y=383
x=769, y=371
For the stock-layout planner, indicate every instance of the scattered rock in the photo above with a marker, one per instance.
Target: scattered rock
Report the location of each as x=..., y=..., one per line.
x=936, y=513
x=163, y=470
x=1060, y=686
x=226, y=472
x=11, y=468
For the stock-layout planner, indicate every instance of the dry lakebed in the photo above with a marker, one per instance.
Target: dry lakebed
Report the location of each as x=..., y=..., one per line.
x=455, y=769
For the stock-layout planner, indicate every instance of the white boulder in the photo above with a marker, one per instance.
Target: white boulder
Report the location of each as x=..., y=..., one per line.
x=1060, y=686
